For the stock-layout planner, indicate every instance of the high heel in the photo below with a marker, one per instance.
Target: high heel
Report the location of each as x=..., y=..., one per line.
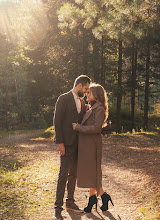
x=92, y=201
x=105, y=199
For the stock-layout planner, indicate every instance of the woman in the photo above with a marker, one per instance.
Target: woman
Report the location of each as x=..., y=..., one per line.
x=89, y=173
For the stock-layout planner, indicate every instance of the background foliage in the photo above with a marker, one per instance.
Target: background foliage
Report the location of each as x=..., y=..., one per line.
x=45, y=45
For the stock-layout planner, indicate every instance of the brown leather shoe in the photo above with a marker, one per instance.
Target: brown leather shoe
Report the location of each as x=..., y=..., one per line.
x=73, y=206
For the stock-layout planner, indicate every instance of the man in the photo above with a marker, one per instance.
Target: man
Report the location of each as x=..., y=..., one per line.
x=69, y=109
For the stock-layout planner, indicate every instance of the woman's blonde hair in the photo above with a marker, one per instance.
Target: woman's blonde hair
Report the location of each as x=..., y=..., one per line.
x=100, y=96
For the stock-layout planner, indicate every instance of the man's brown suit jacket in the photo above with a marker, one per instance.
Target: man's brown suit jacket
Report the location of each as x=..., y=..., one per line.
x=66, y=114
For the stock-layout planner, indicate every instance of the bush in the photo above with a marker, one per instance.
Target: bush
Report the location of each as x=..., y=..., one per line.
x=153, y=122
x=49, y=132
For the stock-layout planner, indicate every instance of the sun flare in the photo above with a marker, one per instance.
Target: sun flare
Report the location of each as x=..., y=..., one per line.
x=23, y=21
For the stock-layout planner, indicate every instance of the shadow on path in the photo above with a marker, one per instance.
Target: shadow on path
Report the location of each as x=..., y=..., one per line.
x=134, y=154
x=94, y=216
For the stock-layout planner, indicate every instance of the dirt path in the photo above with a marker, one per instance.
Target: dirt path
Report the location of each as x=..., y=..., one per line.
x=131, y=175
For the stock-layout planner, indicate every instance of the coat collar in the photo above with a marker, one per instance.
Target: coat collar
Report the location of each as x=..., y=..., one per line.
x=95, y=105
x=89, y=112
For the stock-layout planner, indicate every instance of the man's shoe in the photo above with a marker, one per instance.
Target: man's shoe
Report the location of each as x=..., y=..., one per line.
x=57, y=214
x=74, y=207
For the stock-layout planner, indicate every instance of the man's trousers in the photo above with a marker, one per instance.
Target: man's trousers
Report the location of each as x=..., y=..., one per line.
x=67, y=174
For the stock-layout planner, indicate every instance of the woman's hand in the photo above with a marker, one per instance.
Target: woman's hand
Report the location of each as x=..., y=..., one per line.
x=74, y=126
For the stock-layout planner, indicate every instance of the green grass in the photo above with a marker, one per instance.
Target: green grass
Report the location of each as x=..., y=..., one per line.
x=152, y=210
x=151, y=135
x=26, y=190
x=27, y=183
x=5, y=134
x=42, y=133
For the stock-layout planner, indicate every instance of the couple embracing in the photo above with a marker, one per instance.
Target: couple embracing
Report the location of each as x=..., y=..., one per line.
x=78, y=135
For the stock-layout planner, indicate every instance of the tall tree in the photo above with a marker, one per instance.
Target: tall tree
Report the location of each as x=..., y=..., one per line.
x=147, y=87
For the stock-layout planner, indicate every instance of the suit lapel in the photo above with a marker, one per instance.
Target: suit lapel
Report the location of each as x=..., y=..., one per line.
x=82, y=106
x=73, y=101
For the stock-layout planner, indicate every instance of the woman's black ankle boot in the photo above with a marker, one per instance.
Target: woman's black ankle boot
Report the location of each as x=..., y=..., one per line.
x=105, y=199
x=92, y=201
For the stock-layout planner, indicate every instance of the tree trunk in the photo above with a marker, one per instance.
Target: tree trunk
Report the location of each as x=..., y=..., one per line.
x=6, y=107
x=119, y=92
x=133, y=86
x=147, y=88
x=102, y=61
x=77, y=55
x=85, y=52
x=95, y=60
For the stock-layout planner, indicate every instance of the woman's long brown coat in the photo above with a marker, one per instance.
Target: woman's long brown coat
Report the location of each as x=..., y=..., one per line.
x=89, y=173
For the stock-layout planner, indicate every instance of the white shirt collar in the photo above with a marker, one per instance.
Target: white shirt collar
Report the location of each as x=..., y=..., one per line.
x=77, y=101
x=74, y=94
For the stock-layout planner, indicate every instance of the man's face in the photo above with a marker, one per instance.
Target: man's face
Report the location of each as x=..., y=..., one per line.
x=83, y=90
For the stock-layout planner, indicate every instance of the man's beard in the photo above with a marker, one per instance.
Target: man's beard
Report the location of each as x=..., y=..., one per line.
x=80, y=94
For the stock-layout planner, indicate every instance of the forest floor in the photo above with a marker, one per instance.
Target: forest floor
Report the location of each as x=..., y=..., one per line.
x=131, y=175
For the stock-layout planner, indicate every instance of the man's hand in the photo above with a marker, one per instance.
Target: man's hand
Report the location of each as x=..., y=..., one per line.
x=61, y=149
x=74, y=125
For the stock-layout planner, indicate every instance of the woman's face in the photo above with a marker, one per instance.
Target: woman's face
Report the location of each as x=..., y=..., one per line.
x=90, y=96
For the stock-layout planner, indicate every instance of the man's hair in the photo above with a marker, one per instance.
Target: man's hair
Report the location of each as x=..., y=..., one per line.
x=83, y=79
